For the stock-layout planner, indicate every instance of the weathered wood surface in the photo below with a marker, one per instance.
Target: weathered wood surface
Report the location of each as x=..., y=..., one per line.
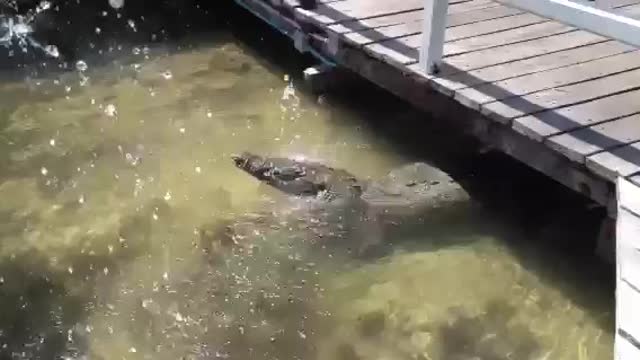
x=627, y=345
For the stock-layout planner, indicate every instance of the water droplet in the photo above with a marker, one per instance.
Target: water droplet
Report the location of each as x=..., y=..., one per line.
x=105, y=271
x=44, y=171
x=52, y=142
x=93, y=101
x=198, y=170
x=209, y=114
x=110, y=248
x=182, y=130
x=111, y=110
x=44, y=5
x=167, y=75
x=179, y=317
x=67, y=88
x=88, y=329
x=1, y=280
x=167, y=196
x=81, y=66
x=132, y=25
x=136, y=50
x=286, y=77
x=146, y=303
x=81, y=199
x=165, y=276
x=70, y=270
x=98, y=30
x=132, y=350
x=52, y=50
x=116, y=4
x=302, y=335
x=155, y=216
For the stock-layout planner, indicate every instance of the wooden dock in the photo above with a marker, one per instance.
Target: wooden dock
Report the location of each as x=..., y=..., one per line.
x=562, y=100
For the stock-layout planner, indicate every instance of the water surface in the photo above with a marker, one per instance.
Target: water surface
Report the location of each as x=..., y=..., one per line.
x=109, y=174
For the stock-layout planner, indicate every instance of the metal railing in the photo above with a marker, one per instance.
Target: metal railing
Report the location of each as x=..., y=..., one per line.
x=594, y=19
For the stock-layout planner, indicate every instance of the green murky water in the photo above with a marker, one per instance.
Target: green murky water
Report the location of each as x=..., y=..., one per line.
x=108, y=174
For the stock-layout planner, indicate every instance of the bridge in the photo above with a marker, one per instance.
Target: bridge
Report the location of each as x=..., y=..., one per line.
x=553, y=83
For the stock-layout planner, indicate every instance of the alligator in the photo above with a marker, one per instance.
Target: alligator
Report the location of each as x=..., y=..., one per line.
x=403, y=190
x=403, y=196
x=301, y=177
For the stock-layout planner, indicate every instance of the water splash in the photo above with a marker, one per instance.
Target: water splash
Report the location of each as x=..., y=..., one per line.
x=18, y=31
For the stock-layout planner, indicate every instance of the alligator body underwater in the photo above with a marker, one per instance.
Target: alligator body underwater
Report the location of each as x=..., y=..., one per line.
x=403, y=196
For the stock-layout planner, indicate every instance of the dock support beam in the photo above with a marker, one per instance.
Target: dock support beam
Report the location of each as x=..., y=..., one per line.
x=322, y=78
x=433, y=28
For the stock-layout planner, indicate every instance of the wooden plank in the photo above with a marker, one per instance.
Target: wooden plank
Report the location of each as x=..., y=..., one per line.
x=475, y=16
x=377, y=29
x=531, y=65
x=399, y=53
x=369, y=31
x=505, y=111
x=522, y=85
x=556, y=121
x=403, y=23
x=510, y=53
x=623, y=3
x=510, y=36
x=397, y=22
x=630, y=11
x=491, y=26
x=340, y=12
x=622, y=161
x=578, y=144
x=296, y=3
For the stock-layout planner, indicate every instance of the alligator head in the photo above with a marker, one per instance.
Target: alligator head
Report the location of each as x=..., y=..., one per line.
x=286, y=175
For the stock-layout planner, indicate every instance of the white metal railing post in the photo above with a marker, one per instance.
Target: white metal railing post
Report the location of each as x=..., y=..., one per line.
x=433, y=27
